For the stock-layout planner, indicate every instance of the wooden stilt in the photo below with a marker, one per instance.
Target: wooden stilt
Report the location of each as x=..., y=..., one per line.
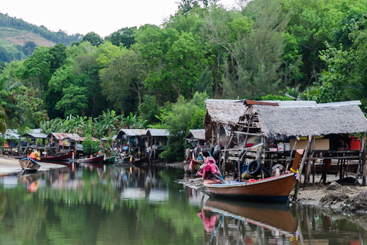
x=313, y=171
x=308, y=171
x=305, y=154
x=364, y=159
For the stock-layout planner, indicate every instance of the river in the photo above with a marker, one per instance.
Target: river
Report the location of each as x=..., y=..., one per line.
x=90, y=205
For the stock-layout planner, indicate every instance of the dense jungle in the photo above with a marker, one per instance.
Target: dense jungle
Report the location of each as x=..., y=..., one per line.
x=160, y=76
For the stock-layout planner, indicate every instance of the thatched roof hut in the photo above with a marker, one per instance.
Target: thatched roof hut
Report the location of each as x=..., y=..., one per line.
x=316, y=119
x=222, y=113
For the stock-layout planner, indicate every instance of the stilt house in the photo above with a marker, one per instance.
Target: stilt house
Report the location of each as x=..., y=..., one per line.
x=280, y=127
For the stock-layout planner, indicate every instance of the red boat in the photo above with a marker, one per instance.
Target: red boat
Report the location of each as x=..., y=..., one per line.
x=274, y=217
x=65, y=158
x=273, y=189
x=97, y=159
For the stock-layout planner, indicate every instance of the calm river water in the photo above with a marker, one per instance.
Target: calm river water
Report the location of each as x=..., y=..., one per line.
x=146, y=206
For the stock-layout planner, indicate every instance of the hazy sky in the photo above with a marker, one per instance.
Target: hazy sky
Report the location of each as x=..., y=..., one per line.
x=102, y=17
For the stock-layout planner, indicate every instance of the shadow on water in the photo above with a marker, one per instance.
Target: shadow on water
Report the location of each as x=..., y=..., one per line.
x=230, y=222
x=111, y=205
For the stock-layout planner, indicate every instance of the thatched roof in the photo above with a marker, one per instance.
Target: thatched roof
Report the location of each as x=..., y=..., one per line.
x=317, y=119
x=226, y=112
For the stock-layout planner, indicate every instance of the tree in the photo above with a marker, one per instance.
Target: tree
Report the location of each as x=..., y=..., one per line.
x=124, y=37
x=2, y=120
x=29, y=47
x=252, y=68
x=93, y=38
x=183, y=116
x=90, y=146
x=125, y=73
x=74, y=100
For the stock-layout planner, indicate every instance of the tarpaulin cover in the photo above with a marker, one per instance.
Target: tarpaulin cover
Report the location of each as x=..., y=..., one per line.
x=209, y=166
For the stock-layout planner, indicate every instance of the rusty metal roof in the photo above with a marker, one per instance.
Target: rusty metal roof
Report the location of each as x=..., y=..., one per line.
x=62, y=136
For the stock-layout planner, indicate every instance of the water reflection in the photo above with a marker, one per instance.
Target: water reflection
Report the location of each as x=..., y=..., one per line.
x=98, y=206
x=110, y=205
x=239, y=222
x=226, y=222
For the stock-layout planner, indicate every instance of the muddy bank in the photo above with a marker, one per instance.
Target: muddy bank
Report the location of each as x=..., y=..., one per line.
x=11, y=166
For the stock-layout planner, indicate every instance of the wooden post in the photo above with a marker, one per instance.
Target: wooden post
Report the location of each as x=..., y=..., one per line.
x=364, y=159
x=213, y=135
x=305, y=154
x=308, y=171
x=225, y=160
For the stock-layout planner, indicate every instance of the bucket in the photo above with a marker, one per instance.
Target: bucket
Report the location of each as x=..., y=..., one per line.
x=281, y=147
x=287, y=146
x=355, y=143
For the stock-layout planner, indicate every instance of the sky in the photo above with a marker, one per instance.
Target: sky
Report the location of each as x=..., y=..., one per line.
x=102, y=17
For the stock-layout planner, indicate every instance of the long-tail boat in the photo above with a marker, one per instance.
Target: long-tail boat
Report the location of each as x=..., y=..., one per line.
x=274, y=217
x=62, y=158
x=110, y=160
x=28, y=164
x=272, y=189
x=97, y=159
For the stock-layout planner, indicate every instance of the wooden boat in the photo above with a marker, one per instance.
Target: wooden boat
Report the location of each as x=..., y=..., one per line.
x=110, y=160
x=97, y=159
x=274, y=217
x=62, y=158
x=272, y=189
x=29, y=164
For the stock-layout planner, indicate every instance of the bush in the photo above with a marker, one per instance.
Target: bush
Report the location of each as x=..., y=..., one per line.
x=90, y=146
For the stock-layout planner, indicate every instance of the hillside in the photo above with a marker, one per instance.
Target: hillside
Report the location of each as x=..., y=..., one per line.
x=21, y=25
x=20, y=37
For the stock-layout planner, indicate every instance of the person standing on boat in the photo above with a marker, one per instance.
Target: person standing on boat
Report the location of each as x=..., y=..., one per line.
x=35, y=155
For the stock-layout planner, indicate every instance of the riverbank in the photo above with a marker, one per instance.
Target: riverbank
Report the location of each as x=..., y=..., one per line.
x=10, y=165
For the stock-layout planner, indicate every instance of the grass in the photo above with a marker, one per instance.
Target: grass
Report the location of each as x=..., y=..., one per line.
x=20, y=37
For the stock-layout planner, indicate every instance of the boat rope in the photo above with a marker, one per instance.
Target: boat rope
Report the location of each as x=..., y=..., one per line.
x=216, y=229
x=296, y=172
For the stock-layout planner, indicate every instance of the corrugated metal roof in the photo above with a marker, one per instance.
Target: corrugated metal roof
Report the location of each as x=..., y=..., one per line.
x=35, y=135
x=196, y=134
x=157, y=132
x=133, y=132
x=61, y=136
x=11, y=134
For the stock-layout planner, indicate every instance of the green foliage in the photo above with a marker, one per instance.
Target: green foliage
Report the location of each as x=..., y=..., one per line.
x=93, y=38
x=183, y=116
x=90, y=146
x=56, y=37
x=149, y=109
x=124, y=37
x=275, y=97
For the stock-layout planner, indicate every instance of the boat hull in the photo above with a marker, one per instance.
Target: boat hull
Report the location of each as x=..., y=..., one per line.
x=29, y=164
x=98, y=159
x=275, y=217
x=273, y=189
x=109, y=161
x=62, y=158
